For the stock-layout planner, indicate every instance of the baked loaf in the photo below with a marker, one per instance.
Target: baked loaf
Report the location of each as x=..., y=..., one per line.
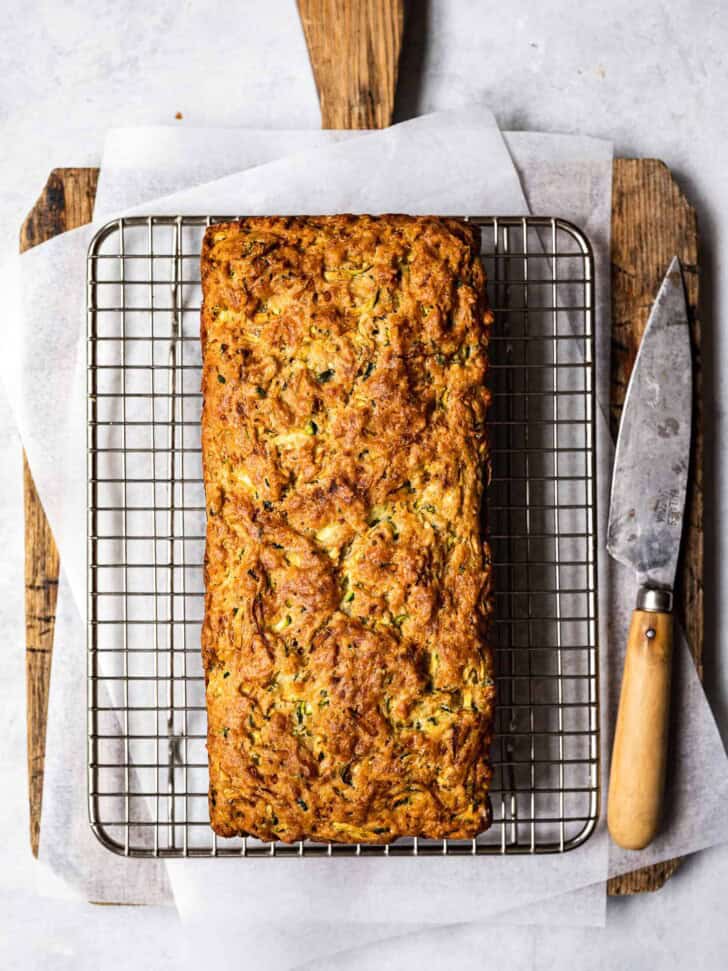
x=345, y=642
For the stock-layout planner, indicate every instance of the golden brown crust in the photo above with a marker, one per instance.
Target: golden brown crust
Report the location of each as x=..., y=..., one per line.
x=349, y=679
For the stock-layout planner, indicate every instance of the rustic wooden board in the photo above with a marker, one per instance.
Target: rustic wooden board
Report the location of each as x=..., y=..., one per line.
x=355, y=67
x=65, y=203
x=651, y=222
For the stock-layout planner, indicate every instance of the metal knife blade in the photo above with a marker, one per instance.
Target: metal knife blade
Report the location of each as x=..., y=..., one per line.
x=653, y=447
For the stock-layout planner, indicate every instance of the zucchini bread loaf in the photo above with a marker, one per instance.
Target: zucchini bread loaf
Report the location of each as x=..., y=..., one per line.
x=345, y=641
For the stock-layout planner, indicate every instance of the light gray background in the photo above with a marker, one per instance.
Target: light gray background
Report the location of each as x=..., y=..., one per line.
x=651, y=76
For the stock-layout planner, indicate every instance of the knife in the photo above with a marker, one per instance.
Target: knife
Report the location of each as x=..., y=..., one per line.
x=644, y=531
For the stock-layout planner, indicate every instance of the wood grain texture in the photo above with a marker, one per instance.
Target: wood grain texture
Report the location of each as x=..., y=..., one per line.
x=651, y=222
x=354, y=46
x=66, y=202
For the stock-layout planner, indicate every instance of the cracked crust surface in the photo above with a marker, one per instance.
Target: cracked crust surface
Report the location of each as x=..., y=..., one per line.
x=345, y=641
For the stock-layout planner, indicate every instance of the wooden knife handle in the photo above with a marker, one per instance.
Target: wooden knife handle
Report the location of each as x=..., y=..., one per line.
x=639, y=756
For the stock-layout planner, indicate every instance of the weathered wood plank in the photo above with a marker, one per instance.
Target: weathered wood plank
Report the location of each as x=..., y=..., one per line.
x=66, y=202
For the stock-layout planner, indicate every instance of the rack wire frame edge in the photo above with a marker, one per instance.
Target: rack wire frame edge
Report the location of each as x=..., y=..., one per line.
x=181, y=847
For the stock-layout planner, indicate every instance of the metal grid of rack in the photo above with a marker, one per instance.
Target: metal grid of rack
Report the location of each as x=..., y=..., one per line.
x=147, y=766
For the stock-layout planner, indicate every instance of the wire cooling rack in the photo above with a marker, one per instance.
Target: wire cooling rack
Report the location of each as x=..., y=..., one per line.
x=147, y=765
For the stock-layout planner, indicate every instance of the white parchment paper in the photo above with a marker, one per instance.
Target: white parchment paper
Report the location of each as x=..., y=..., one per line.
x=467, y=171
x=132, y=155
